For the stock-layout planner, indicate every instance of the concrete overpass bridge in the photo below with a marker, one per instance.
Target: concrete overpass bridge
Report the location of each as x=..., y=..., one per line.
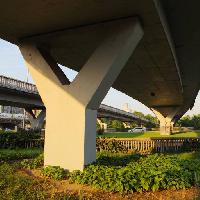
x=147, y=49
x=25, y=95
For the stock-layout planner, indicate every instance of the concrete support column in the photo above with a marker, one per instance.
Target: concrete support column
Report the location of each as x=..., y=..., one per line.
x=166, y=126
x=36, y=121
x=71, y=108
x=166, y=123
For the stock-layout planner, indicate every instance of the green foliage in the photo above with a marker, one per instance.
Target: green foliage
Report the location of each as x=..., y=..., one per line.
x=196, y=121
x=153, y=121
x=54, y=172
x=116, y=124
x=14, y=140
x=139, y=114
x=148, y=173
x=115, y=159
x=113, y=146
x=34, y=163
x=18, y=154
x=188, y=121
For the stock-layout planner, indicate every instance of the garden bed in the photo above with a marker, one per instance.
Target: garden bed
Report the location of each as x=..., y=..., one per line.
x=113, y=176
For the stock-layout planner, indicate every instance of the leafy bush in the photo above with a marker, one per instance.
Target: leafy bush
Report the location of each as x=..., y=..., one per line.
x=34, y=163
x=54, y=172
x=113, y=146
x=148, y=173
x=20, y=139
x=117, y=159
x=17, y=154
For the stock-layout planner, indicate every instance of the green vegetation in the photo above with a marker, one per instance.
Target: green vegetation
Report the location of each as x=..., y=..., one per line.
x=12, y=140
x=147, y=173
x=54, y=172
x=33, y=163
x=189, y=155
x=150, y=135
x=115, y=172
x=18, y=154
x=188, y=121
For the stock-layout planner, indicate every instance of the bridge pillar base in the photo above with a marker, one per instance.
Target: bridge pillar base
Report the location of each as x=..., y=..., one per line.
x=166, y=123
x=166, y=126
x=71, y=108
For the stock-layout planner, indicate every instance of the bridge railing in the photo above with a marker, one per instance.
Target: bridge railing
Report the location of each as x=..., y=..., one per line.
x=18, y=85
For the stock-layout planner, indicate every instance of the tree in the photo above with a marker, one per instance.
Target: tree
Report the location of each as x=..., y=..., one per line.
x=188, y=121
x=185, y=121
x=138, y=114
x=117, y=124
x=196, y=121
x=153, y=121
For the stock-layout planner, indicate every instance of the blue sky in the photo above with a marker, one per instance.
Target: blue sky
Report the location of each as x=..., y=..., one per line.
x=12, y=65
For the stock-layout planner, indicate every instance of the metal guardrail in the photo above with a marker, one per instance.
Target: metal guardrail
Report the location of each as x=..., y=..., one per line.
x=18, y=85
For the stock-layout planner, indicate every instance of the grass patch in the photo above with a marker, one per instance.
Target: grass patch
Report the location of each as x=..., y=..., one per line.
x=149, y=135
x=189, y=155
x=18, y=154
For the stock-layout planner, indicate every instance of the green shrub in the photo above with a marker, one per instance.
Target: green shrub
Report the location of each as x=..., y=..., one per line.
x=17, y=154
x=54, y=172
x=148, y=173
x=12, y=140
x=34, y=163
x=113, y=146
x=117, y=159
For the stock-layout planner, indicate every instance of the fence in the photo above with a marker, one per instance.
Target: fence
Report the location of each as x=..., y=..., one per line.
x=34, y=143
x=161, y=144
x=23, y=143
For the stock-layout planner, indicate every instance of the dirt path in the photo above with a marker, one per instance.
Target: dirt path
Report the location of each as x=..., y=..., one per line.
x=94, y=194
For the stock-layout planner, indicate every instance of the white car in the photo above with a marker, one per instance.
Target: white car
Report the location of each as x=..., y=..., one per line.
x=137, y=130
